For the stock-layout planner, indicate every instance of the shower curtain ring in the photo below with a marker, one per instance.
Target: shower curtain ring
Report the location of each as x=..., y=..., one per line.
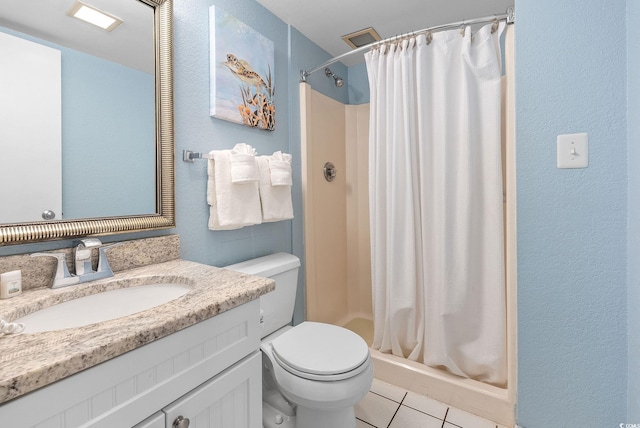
x=495, y=25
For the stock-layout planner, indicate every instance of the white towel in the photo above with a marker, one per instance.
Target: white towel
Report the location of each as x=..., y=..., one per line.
x=280, y=169
x=232, y=205
x=243, y=164
x=276, y=200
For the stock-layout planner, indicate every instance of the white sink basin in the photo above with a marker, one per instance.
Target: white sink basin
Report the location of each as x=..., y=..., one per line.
x=100, y=307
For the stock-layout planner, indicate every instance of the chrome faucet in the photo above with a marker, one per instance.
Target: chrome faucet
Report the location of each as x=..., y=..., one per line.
x=84, y=269
x=83, y=255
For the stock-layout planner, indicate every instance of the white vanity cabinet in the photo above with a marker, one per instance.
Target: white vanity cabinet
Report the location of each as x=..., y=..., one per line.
x=209, y=373
x=223, y=401
x=226, y=401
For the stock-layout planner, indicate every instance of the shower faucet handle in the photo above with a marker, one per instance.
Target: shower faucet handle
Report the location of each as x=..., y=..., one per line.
x=330, y=171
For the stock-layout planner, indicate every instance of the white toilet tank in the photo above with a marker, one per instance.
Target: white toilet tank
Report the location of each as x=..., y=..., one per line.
x=277, y=306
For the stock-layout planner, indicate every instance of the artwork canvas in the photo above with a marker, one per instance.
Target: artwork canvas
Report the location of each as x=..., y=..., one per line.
x=241, y=72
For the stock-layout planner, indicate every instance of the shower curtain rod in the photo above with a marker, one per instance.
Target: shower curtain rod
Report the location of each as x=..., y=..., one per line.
x=508, y=16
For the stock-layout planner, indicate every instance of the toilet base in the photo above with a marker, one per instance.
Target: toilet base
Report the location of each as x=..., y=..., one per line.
x=323, y=418
x=273, y=418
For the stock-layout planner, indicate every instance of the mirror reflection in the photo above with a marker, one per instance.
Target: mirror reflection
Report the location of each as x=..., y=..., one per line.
x=77, y=114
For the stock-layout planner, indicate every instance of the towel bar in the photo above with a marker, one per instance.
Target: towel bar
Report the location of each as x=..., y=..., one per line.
x=189, y=156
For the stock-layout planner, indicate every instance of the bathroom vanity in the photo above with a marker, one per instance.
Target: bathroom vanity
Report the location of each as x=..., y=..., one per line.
x=196, y=357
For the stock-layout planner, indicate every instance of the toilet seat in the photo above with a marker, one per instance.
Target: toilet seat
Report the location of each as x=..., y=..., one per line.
x=321, y=352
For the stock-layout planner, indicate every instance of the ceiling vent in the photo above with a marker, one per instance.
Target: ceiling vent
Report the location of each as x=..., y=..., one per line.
x=361, y=38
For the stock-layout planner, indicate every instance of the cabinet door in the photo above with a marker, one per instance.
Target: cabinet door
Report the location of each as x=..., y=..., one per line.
x=233, y=399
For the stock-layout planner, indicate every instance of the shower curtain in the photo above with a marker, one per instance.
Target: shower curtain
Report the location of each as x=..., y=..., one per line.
x=436, y=202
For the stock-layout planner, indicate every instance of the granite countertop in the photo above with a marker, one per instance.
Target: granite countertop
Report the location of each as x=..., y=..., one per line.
x=31, y=361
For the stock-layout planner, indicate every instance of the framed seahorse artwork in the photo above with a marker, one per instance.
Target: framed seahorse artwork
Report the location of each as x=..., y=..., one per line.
x=241, y=72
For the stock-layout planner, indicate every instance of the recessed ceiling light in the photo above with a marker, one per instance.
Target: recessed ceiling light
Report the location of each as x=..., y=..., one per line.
x=94, y=16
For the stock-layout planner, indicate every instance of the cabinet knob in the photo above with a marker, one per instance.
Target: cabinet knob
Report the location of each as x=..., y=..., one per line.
x=181, y=422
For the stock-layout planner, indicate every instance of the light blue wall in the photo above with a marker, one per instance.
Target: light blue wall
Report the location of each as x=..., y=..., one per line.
x=102, y=95
x=197, y=131
x=358, y=84
x=633, y=221
x=572, y=246
x=306, y=55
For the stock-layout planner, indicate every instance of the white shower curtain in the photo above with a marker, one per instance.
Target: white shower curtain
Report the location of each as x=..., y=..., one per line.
x=436, y=202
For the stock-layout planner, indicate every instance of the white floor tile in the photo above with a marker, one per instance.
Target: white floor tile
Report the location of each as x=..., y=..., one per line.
x=385, y=389
x=426, y=405
x=467, y=420
x=407, y=417
x=376, y=410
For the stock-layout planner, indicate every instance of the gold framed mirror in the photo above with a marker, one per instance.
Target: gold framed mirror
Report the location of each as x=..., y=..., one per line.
x=164, y=217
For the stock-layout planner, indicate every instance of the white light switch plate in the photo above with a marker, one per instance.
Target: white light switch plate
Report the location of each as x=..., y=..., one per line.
x=573, y=150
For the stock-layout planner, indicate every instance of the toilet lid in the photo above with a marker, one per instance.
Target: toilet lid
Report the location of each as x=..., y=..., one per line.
x=320, y=349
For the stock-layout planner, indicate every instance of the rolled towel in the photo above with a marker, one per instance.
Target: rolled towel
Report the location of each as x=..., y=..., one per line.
x=243, y=164
x=280, y=169
x=233, y=205
x=275, y=200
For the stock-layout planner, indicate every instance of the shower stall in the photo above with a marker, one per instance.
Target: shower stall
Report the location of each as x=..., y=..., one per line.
x=337, y=244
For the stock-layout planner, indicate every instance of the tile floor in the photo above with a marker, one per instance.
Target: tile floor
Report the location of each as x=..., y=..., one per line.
x=388, y=406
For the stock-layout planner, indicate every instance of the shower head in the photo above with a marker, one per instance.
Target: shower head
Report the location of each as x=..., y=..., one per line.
x=338, y=80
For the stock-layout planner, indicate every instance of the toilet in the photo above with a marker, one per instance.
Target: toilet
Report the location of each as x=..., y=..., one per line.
x=313, y=374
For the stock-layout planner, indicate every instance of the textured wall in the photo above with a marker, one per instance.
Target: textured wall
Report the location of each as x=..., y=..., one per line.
x=197, y=131
x=358, y=84
x=570, y=77
x=633, y=281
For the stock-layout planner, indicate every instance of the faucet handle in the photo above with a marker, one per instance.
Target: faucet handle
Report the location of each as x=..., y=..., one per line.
x=103, y=262
x=62, y=277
